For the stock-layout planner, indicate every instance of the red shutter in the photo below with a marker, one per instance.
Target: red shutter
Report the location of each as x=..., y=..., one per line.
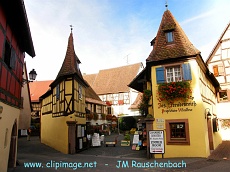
x=215, y=70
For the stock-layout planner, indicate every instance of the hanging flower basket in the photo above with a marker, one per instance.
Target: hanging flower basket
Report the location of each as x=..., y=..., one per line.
x=108, y=103
x=109, y=117
x=103, y=116
x=95, y=116
x=173, y=91
x=89, y=116
x=120, y=102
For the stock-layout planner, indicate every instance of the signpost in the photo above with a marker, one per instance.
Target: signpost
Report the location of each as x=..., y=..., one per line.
x=156, y=142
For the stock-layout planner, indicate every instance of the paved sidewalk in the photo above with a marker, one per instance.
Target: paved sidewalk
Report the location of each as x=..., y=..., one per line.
x=221, y=152
x=104, y=159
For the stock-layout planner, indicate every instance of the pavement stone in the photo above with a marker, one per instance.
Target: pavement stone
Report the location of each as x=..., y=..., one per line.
x=107, y=159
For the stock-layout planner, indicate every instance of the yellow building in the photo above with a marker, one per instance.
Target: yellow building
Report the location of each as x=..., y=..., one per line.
x=184, y=93
x=63, y=107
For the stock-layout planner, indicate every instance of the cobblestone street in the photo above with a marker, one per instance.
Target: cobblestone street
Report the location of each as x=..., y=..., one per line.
x=111, y=159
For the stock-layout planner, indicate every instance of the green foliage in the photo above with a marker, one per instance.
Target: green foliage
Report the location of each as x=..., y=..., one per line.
x=143, y=106
x=95, y=116
x=126, y=123
x=127, y=137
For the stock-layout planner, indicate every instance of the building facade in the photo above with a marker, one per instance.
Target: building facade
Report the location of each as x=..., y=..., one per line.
x=184, y=93
x=111, y=85
x=219, y=64
x=15, y=40
x=63, y=115
x=26, y=108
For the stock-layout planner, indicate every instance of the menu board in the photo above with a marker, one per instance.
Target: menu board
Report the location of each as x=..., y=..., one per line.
x=156, y=141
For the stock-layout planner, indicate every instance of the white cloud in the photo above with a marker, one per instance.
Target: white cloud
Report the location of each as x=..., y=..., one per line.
x=106, y=31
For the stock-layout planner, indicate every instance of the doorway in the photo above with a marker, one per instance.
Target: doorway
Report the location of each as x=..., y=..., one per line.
x=13, y=144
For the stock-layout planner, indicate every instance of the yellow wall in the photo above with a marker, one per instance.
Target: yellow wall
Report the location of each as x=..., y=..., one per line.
x=8, y=118
x=199, y=143
x=54, y=130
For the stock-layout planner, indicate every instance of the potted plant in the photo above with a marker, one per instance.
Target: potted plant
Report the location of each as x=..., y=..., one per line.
x=95, y=116
x=103, y=116
x=126, y=141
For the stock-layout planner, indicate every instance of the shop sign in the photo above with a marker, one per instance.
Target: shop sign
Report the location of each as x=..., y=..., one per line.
x=160, y=122
x=156, y=141
x=177, y=107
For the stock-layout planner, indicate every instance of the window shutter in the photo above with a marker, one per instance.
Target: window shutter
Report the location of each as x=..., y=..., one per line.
x=187, y=72
x=215, y=70
x=160, y=74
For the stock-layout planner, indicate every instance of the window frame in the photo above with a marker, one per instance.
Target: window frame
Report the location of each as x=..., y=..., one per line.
x=169, y=36
x=177, y=141
x=80, y=92
x=220, y=99
x=185, y=69
x=174, y=77
x=218, y=70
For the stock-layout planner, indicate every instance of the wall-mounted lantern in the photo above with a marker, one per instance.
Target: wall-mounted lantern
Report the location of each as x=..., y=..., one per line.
x=32, y=77
x=207, y=113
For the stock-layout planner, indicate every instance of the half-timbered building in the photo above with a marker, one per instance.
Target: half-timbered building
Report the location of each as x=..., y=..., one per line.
x=63, y=115
x=219, y=64
x=112, y=87
x=15, y=41
x=184, y=95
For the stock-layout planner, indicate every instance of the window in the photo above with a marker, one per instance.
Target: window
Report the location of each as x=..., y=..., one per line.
x=58, y=92
x=173, y=74
x=7, y=54
x=223, y=94
x=80, y=92
x=177, y=132
x=218, y=70
x=169, y=36
x=109, y=110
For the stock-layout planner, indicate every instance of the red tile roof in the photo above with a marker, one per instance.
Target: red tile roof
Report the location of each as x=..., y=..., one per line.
x=180, y=47
x=38, y=88
x=137, y=101
x=71, y=63
x=113, y=80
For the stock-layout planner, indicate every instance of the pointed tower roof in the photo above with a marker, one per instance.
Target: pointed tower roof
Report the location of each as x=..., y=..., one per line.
x=180, y=47
x=70, y=65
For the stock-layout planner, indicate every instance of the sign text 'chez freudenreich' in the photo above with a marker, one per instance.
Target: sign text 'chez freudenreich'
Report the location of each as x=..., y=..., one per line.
x=177, y=107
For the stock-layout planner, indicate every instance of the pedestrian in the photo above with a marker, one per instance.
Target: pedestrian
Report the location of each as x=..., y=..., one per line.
x=28, y=134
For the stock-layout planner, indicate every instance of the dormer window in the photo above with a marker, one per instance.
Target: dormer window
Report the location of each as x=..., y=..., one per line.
x=169, y=37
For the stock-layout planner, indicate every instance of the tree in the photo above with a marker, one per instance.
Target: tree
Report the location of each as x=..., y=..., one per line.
x=126, y=123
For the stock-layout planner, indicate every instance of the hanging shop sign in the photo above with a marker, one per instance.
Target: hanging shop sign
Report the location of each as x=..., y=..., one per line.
x=156, y=141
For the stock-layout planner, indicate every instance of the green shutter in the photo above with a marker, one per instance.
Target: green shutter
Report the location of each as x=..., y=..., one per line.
x=187, y=72
x=160, y=74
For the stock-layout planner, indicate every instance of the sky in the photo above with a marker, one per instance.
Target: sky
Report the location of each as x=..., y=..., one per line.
x=113, y=33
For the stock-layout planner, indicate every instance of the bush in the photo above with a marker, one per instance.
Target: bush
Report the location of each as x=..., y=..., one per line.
x=127, y=123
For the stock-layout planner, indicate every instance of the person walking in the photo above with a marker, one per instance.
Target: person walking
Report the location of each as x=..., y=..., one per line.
x=28, y=134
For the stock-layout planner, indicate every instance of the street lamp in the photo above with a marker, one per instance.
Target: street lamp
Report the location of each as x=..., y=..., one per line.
x=32, y=77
